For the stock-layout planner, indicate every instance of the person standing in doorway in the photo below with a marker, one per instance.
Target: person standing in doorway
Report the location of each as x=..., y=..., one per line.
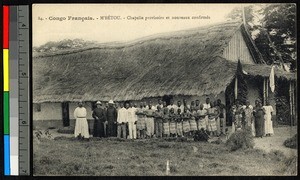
x=111, y=116
x=81, y=126
x=99, y=119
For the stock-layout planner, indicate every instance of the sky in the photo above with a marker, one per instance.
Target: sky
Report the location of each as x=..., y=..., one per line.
x=54, y=27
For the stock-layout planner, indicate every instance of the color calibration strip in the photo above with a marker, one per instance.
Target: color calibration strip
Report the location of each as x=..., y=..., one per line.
x=6, y=90
x=14, y=90
x=16, y=100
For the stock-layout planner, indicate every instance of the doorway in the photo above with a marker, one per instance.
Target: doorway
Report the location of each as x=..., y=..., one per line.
x=65, y=114
x=167, y=98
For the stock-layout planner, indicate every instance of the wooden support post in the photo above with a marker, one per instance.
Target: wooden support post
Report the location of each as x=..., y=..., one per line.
x=264, y=92
x=267, y=90
x=236, y=88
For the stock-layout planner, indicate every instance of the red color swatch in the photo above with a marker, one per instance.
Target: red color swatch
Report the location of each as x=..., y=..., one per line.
x=5, y=27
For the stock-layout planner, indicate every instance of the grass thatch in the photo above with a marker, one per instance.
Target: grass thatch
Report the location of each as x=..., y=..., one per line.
x=183, y=63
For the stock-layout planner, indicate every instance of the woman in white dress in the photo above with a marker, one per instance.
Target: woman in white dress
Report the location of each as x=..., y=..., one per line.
x=268, y=109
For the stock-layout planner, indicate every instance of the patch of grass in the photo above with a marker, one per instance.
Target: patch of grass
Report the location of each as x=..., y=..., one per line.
x=110, y=157
x=164, y=145
x=290, y=167
x=276, y=155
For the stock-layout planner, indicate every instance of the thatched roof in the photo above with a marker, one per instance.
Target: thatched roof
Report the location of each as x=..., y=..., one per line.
x=183, y=63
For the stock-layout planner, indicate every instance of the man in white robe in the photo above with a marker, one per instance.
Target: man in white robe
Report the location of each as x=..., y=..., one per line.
x=81, y=125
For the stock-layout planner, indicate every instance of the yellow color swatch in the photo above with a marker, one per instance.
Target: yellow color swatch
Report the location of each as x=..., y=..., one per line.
x=5, y=70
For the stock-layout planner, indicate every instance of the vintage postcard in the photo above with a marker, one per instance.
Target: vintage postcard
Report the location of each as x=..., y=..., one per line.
x=164, y=89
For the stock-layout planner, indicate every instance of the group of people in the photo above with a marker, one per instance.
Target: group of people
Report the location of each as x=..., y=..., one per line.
x=258, y=119
x=128, y=120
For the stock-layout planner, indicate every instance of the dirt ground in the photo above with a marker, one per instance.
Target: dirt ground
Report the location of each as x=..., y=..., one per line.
x=275, y=142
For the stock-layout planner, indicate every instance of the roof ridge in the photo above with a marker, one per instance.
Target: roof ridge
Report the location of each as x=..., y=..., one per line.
x=246, y=33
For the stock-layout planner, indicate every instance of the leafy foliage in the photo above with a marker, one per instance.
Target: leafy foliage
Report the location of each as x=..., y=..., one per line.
x=237, y=13
x=273, y=27
x=291, y=142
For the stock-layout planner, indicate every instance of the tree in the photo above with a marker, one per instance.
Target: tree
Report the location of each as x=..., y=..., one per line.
x=279, y=25
x=273, y=28
x=237, y=14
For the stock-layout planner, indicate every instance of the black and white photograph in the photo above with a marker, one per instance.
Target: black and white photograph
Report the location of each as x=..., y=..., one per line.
x=164, y=89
